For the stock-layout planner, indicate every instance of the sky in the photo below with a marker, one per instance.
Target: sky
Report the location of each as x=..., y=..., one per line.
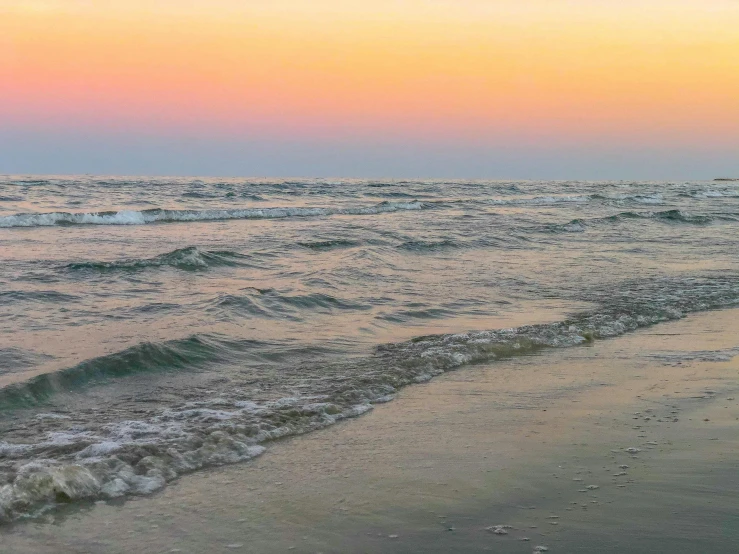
x=529, y=89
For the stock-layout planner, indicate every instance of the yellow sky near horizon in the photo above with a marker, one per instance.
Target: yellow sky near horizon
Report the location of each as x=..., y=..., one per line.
x=568, y=68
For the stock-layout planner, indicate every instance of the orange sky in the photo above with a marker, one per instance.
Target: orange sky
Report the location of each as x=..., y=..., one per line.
x=468, y=69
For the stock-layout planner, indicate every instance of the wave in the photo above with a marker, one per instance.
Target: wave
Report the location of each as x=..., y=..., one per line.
x=197, y=194
x=552, y=200
x=667, y=216
x=190, y=353
x=254, y=197
x=712, y=194
x=578, y=199
x=14, y=359
x=120, y=453
x=675, y=216
x=26, y=181
x=539, y=200
x=428, y=245
x=329, y=244
x=188, y=259
x=574, y=226
x=36, y=296
x=272, y=304
x=630, y=198
x=404, y=316
x=613, y=199
x=158, y=215
x=393, y=194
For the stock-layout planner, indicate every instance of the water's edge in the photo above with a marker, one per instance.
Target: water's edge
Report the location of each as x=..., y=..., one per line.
x=137, y=457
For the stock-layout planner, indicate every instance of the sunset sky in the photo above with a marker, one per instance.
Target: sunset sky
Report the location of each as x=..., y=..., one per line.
x=428, y=88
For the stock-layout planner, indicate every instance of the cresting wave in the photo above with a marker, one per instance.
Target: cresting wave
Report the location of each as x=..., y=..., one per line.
x=185, y=354
x=269, y=303
x=676, y=216
x=665, y=216
x=187, y=259
x=111, y=455
x=143, y=217
x=576, y=199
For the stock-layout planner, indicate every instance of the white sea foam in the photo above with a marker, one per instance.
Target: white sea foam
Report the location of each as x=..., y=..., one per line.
x=726, y=193
x=51, y=416
x=133, y=217
x=539, y=200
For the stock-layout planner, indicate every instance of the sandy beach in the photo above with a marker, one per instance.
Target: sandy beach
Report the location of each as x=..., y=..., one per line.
x=626, y=445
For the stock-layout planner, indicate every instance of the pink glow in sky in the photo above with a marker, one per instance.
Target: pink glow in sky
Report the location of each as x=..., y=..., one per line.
x=483, y=81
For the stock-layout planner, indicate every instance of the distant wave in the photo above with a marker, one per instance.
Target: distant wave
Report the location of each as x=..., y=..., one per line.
x=553, y=200
x=675, y=216
x=630, y=198
x=188, y=259
x=712, y=193
x=36, y=296
x=393, y=194
x=574, y=226
x=426, y=245
x=196, y=194
x=666, y=216
x=329, y=244
x=539, y=200
x=612, y=199
x=577, y=199
x=136, y=217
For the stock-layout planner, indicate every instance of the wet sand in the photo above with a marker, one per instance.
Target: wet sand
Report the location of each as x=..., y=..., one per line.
x=537, y=445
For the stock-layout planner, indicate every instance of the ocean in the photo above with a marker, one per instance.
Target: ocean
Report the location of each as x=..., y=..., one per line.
x=153, y=327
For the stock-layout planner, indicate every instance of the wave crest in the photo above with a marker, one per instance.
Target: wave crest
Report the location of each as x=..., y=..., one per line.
x=269, y=303
x=188, y=259
x=158, y=215
x=675, y=216
x=190, y=353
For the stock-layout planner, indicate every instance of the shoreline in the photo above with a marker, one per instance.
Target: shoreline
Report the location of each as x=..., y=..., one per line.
x=481, y=440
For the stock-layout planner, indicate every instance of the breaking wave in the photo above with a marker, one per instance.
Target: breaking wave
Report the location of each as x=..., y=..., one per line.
x=117, y=454
x=190, y=353
x=143, y=217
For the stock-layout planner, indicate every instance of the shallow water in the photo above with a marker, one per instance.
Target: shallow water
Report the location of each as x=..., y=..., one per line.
x=510, y=443
x=152, y=327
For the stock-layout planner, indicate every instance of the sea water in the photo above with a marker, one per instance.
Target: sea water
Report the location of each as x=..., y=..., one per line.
x=151, y=327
